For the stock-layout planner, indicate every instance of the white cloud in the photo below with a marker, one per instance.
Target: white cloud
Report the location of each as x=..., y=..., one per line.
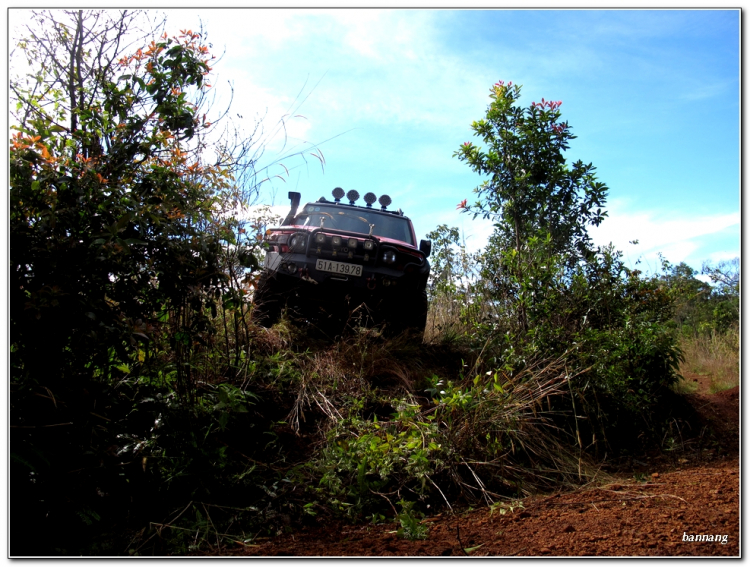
x=676, y=237
x=236, y=28
x=382, y=66
x=474, y=233
x=722, y=255
x=255, y=211
x=709, y=90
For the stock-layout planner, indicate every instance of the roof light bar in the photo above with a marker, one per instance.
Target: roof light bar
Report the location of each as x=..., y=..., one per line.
x=352, y=196
x=370, y=198
x=384, y=201
x=338, y=194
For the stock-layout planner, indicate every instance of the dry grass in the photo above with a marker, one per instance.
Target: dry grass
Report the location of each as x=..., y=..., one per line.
x=452, y=316
x=539, y=455
x=716, y=356
x=685, y=386
x=444, y=319
x=363, y=365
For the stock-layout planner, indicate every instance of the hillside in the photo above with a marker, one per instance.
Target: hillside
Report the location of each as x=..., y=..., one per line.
x=645, y=506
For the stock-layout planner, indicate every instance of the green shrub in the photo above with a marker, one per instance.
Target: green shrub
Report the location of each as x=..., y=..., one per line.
x=364, y=458
x=548, y=291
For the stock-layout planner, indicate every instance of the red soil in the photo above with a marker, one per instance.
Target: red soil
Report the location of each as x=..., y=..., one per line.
x=653, y=512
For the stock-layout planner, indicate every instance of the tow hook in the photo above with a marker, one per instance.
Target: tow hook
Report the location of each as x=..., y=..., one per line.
x=370, y=283
x=304, y=274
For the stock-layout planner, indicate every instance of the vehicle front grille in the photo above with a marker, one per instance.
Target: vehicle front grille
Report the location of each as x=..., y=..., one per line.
x=342, y=247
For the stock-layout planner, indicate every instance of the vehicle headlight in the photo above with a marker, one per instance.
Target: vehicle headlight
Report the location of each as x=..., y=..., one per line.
x=389, y=256
x=336, y=241
x=277, y=238
x=297, y=242
x=352, y=243
x=320, y=238
x=369, y=245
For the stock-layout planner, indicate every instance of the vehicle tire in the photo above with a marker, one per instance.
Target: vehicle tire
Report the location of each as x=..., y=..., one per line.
x=418, y=316
x=409, y=317
x=269, y=301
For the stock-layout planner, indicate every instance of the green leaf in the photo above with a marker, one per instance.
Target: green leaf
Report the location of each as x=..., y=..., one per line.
x=122, y=222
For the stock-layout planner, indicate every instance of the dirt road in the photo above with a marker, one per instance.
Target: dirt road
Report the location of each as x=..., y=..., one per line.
x=686, y=505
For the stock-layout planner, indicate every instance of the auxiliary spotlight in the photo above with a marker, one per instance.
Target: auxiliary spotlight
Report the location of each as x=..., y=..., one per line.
x=370, y=198
x=352, y=196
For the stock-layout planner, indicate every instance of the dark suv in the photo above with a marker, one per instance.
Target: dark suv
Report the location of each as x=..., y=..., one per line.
x=333, y=262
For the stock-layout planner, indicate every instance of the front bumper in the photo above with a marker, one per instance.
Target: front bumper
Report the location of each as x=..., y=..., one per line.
x=360, y=268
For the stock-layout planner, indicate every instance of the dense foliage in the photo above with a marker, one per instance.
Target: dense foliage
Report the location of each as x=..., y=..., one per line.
x=546, y=290
x=125, y=256
x=703, y=307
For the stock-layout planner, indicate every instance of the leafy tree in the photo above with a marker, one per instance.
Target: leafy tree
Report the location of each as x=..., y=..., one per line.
x=114, y=211
x=726, y=274
x=123, y=247
x=554, y=294
x=531, y=191
x=726, y=277
x=68, y=54
x=541, y=206
x=693, y=297
x=444, y=260
x=701, y=307
x=452, y=280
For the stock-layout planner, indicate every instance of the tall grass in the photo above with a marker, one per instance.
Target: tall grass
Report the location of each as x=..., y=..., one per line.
x=392, y=427
x=716, y=355
x=444, y=320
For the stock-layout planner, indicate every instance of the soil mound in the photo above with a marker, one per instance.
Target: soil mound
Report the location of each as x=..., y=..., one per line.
x=687, y=505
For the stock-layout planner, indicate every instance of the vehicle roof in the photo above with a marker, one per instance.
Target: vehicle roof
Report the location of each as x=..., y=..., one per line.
x=324, y=201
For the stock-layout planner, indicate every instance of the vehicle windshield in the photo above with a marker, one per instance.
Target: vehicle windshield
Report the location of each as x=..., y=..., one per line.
x=356, y=220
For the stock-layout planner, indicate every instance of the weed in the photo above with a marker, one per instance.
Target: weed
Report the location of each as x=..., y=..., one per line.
x=410, y=520
x=503, y=508
x=376, y=518
x=470, y=550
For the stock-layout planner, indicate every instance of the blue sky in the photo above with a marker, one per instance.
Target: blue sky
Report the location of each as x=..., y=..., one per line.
x=389, y=95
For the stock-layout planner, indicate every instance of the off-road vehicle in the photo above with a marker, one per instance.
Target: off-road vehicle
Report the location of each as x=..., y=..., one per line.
x=332, y=263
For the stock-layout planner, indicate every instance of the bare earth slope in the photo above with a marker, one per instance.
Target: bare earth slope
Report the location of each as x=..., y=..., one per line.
x=654, y=512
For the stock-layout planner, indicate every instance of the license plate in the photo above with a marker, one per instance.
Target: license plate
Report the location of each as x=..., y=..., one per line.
x=339, y=268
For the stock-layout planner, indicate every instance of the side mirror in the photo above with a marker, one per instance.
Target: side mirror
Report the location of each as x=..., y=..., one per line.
x=425, y=247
